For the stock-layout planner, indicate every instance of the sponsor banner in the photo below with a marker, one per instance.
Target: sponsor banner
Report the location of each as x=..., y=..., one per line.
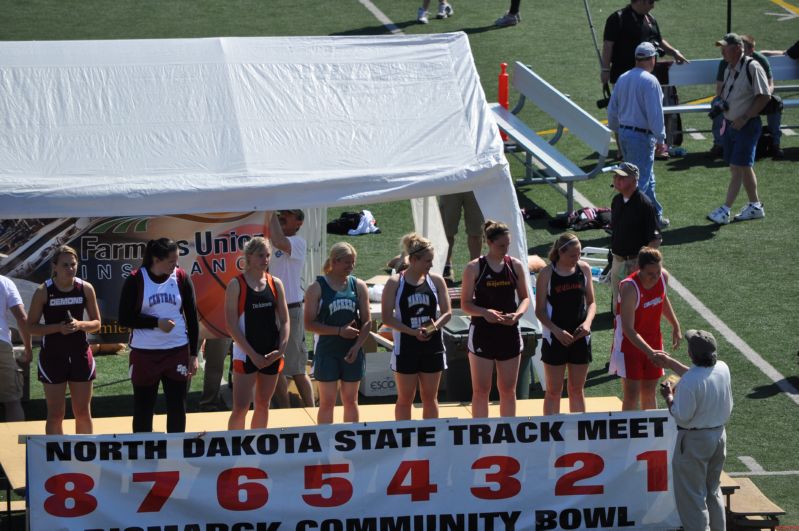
x=588, y=471
x=210, y=248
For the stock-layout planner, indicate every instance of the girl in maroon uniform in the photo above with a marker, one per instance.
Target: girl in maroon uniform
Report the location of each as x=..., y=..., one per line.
x=257, y=319
x=494, y=293
x=157, y=304
x=65, y=357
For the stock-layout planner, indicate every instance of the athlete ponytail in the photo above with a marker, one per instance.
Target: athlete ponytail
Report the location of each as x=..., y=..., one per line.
x=61, y=250
x=566, y=240
x=160, y=248
x=337, y=252
x=494, y=229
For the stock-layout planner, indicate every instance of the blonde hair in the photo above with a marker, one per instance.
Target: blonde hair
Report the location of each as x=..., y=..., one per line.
x=567, y=239
x=63, y=249
x=494, y=229
x=255, y=245
x=414, y=244
x=337, y=252
x=647, y=256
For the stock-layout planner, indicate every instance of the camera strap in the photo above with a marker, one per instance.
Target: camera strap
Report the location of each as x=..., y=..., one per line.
x=734, y=78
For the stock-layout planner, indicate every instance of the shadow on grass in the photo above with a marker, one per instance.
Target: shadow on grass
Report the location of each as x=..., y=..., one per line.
x=377, y=29
x=599, y=377
x=691, y=233
x=692, y=160
x=480, y=29
x=767, y=391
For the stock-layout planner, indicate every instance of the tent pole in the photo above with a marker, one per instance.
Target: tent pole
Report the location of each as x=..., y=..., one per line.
x=729, y=16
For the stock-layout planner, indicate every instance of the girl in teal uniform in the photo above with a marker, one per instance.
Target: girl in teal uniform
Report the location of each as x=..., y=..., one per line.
x=337, y=311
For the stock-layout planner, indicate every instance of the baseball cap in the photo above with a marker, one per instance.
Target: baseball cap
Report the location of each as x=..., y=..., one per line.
x=700, y=342
x=730, y=38
x=645, y=50
x=626, y=169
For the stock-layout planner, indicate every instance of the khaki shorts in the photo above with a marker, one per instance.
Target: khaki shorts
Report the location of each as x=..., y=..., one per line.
x=620, y=270
x=11, y=378
x=450, y=207
x=296, y=353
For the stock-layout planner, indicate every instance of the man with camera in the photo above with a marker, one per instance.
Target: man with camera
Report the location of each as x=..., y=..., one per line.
x=635, y=113
x=624, y=30
x=741, y=101
x=773, y=119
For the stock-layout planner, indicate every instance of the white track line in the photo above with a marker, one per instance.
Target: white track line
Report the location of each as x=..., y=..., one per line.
x=694, y=134
x=764, y=473
x=789, y=132
x=750, y=463
x=714, y=321
x=381, y=17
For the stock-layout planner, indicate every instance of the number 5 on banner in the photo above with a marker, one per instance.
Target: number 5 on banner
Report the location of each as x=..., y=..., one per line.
x=340, y=488
x=164, y=484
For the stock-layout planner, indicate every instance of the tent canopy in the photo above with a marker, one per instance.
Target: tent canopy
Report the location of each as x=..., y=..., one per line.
x=181, y=126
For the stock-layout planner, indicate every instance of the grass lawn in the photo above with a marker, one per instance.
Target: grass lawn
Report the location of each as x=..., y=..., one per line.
x=743, y=273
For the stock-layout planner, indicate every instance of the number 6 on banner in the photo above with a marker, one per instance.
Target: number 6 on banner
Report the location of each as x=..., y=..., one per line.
x=228, y=489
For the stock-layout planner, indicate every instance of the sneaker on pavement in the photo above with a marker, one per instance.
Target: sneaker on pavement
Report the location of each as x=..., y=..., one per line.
x=421, y=16
x=444, y=10
x=663, y=223
x=508, y=19
x=750, y=211
x=777, y=152
x=716, y=151
x=720, y=216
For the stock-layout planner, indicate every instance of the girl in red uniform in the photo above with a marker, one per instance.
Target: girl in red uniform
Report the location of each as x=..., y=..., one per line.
x=65, y=357
x=257, y=318
x=494, y=293
x=637, y=339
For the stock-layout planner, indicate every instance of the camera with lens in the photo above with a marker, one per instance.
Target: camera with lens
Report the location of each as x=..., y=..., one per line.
x=718, y=108
x=602, y=103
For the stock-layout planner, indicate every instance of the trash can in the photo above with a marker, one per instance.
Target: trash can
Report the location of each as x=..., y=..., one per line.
x=458, y=376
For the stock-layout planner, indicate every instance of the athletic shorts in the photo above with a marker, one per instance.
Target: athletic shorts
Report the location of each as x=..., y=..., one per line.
x=554, y=353
x=634, y=366
x=410, y=362
x=331, y=368
x=450, y=207
x=296, y=352
x=740, y=145
x=246, y=366
x=60, y=367
x=11, y=377
x=147, y=367
x=495, y=341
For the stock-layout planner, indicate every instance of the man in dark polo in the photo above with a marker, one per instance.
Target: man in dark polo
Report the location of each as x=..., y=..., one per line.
x=635, y=225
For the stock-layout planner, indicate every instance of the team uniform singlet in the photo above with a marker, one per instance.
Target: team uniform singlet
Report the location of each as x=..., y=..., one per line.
x=566, y=308
x=414, y=306
x=626, y=359
x=495, y=290
x=337, y=308
x=162, y=301
x=65, y=358
x=257, y=312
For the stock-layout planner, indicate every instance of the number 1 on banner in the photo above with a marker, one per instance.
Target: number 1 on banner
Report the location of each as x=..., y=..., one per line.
x=419, y=486
x=657, y=470
x=164, y=484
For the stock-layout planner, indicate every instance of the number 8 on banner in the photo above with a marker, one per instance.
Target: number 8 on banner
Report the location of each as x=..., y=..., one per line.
x=70, y=495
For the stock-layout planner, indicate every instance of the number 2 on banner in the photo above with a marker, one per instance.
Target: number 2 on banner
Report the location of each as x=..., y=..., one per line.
x=72, y=486
x=419, y=487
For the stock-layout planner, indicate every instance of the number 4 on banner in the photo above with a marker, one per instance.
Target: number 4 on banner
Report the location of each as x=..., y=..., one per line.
x=419, y=486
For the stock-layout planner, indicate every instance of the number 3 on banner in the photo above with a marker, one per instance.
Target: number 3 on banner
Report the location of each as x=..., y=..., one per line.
x=73, y=487
x=509, y=486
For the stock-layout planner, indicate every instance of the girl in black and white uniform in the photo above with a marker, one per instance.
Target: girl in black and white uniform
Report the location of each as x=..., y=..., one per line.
x=257, y=319
x=416, y=305
x=157, y=304
x=494, y=293
x=566, y=308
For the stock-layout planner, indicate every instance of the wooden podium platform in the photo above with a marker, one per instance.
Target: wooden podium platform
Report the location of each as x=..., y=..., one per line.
x=12, y=453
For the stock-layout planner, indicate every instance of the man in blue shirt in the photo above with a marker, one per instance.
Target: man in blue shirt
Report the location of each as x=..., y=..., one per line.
x=635, y=112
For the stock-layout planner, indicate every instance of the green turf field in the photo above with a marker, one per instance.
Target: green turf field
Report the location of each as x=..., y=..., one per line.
x=740, y=272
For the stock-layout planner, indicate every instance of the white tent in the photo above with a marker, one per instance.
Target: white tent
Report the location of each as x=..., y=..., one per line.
x=147, y=127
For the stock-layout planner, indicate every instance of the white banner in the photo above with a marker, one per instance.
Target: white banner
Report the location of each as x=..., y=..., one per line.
x=590, y=471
